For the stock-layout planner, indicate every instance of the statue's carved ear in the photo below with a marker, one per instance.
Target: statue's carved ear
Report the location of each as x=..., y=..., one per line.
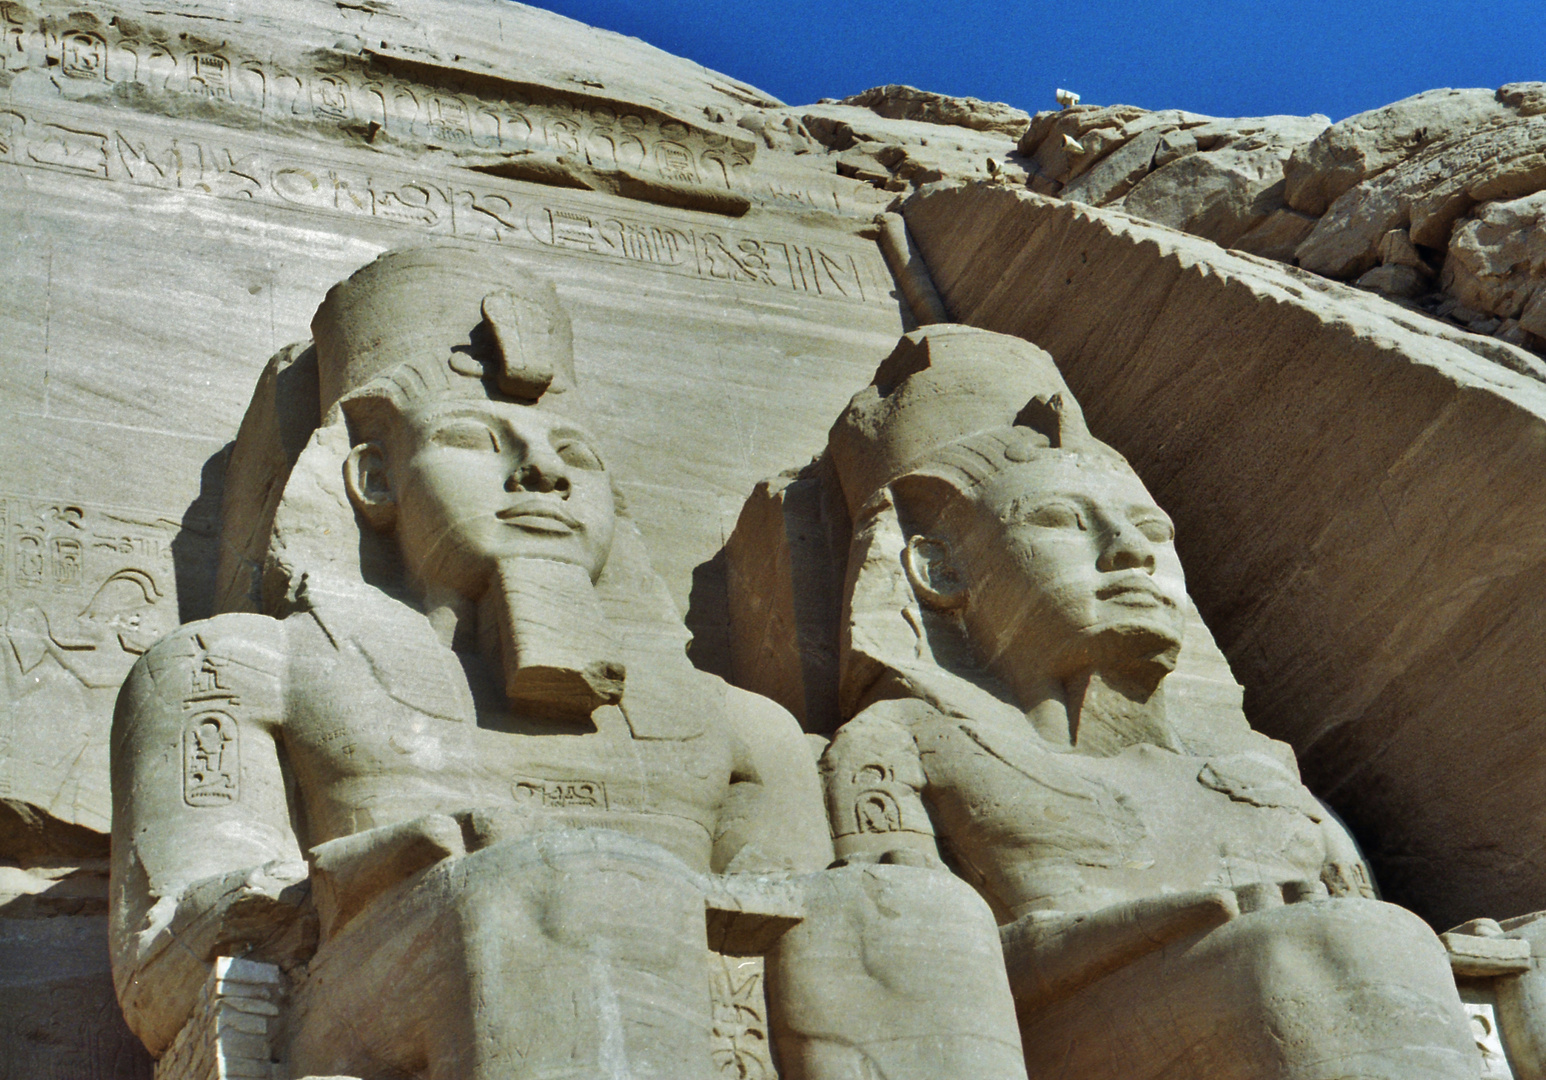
x=932, y=572
x=365, y=475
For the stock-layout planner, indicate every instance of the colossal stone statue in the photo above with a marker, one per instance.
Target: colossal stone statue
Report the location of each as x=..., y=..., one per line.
x=1173, y=902
x=459, y=779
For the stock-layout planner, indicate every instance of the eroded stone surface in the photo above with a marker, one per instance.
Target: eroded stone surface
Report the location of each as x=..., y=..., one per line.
x=1497, y=261
x=1219, y=179
x=910, y=103
x=1427, y=194
x=1359, y=147
x=180, y=187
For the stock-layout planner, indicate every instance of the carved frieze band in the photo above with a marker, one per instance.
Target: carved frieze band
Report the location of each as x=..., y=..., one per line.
x=486, y=209
x=82, y=54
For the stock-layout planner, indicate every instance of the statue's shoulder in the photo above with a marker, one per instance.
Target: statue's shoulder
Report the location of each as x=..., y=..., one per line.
x=233, y=656
x=234, y=634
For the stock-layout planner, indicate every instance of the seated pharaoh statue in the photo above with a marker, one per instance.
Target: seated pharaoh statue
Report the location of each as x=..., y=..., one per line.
x=453, y=772
x=1173, y=902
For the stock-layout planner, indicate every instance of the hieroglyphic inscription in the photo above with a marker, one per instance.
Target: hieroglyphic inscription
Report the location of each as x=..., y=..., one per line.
x=438, y=106
x=15, y=21
x=563, y=794
x=211, y=761
x=211, y=737
x=486, y=209
x=876, y=811
x=1484, y=1029
x=738, y=991
x=90, y=586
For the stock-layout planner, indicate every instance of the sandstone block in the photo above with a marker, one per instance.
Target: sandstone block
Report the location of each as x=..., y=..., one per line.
x=1497, y=261
x=1428, y=193
x=910, y=103
x=1103, y=155
x=1277, y=236
x=1359, y=147
x=1220, y=195
x=1394, y=280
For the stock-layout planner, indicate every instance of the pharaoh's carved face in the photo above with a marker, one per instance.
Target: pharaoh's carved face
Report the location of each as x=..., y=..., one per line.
x=476, y=482
x=1067, y=563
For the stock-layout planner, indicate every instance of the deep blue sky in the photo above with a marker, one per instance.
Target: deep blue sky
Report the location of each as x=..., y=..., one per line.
x=1244, y=58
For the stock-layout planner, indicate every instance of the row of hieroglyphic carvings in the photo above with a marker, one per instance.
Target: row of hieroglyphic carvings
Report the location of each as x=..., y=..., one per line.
x=81, y=55
x=473, y=206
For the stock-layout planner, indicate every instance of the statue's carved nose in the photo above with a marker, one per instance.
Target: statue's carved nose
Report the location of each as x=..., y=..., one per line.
x=1126, y=549
x=535, y=476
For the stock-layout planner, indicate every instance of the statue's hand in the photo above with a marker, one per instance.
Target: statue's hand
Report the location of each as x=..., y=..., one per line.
x=353, y=870
x=1052, y=954
x=230, y=914
x=897, y=856
x=1348, y=879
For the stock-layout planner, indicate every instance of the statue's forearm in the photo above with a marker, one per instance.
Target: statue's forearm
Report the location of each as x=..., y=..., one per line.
x=1052, y=954
x=240, y=913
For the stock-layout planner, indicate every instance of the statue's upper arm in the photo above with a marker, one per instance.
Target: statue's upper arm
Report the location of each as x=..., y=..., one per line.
x=773, y=817
x=197, y=794
x=874, y=780
x=197, y=788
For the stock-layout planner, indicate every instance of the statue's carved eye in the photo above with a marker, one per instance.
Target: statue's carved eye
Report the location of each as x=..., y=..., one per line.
x=466, y=435
x=578, y=455
x=1056, y=515
x=1157, y=529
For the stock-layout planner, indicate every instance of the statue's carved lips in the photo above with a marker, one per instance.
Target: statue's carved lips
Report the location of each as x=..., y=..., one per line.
x=538, y=517
x=1139, y=592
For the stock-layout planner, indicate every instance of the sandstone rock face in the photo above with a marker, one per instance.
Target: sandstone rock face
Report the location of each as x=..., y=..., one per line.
x=1219, y=179
x=1319, y=480
x=1222, y=195
x=910, y=103
x=1497, y=261
x=181, y=188
x=1353, y=150
x=1427, y=169
x=57, y=1013
x=1427, y=194
x=899, y=155
x=1324, y=196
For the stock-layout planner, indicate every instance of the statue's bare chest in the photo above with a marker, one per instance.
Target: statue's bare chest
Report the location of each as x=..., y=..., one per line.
x=1142, y=822
x=363, y=757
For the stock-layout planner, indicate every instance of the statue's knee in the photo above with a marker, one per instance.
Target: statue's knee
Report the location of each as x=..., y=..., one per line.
x=895, y=965
x=900, y=892
x=577, y=894
x=1369, y=936
x=917, y=932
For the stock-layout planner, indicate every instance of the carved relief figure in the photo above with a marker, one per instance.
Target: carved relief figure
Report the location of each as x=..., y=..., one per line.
x=1173, y=901
x=459, y=778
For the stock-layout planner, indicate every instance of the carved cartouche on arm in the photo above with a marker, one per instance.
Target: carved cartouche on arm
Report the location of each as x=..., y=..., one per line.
x=204, y=860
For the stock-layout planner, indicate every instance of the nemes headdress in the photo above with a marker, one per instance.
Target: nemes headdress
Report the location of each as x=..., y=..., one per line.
x=967, y=400
x=433, y=319
x=415, y=323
